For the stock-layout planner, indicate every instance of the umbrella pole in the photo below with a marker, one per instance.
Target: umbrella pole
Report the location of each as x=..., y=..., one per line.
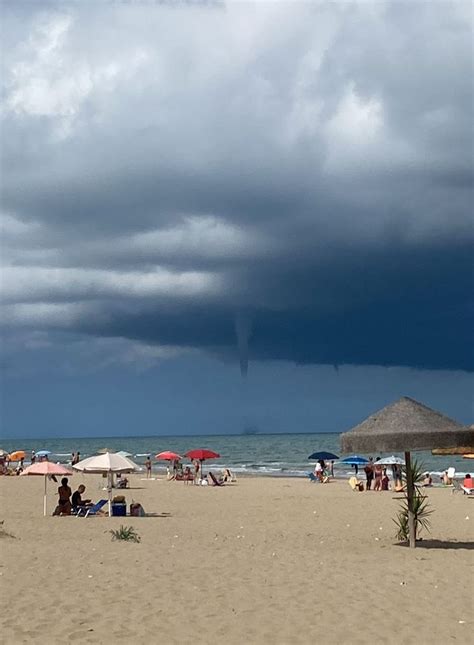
x=44, y=499
x=410, y=495
x=109, y=490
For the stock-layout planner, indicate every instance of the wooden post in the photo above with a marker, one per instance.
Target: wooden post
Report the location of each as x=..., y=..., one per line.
x=410, y=495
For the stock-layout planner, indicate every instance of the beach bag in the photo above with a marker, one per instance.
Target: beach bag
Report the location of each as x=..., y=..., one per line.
x=137, y=510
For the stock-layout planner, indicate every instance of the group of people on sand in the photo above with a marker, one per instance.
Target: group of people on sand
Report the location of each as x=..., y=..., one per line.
x=377, y=475
x=70, y=502
x=176, y=471
x=323, y=471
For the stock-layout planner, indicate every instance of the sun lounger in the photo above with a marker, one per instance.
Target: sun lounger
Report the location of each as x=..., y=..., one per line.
x=458, y=487
x=355, y=484
x=85, y=511
x=215, y=481
x=312, y=478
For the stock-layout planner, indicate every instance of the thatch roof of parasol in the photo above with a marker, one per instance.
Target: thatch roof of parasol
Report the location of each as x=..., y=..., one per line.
x=406, y=425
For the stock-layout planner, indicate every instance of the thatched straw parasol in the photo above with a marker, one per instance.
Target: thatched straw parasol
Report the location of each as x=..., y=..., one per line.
x=404, y=426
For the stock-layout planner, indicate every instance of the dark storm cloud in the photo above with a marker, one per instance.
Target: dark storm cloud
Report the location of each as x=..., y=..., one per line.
x=303, y=169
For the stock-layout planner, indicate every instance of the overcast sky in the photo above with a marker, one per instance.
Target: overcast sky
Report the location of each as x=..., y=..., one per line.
x=218, y=215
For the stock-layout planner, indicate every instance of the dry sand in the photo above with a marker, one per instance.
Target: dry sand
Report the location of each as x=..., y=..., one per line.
x=262, y=561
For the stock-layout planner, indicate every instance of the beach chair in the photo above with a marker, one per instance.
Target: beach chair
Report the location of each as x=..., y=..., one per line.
x=91, y=510
x=312, y=478
x=355, y=484
x=215, y=481
x=458, y=487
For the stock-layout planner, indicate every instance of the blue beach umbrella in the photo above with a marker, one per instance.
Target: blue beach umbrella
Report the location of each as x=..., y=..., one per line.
x=354, y=460
x=42, y=453
x=325, y=456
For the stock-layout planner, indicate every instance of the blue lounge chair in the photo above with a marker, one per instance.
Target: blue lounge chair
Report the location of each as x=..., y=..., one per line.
x=85, y=511
x=312, y=478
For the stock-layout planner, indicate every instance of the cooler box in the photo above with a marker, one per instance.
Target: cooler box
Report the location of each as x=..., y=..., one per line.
x=119, y=510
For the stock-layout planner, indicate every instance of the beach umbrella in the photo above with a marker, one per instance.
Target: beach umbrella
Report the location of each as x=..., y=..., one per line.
x=201, y=454
x=108, y=463
x=168, y=455
x=354, y=460
x=46, y=468
x=325, y=456
x=103, y=451
x=124, y=453
x=17, y=455
x=390, y=461
x=3, y=453
x=404, y=426
x=42, y=453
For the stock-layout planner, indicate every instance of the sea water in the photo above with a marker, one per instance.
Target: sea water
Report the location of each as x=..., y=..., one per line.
x=259, y=454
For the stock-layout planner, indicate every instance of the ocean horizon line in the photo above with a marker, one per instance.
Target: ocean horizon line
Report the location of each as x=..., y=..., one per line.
x=166, y=436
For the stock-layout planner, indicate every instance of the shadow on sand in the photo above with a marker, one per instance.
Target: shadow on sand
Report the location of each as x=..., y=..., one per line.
x=441, y=544
x=158, y=515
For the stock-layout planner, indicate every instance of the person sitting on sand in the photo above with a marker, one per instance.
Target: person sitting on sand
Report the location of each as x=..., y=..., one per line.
x=187, y=475
x=77, y=501
x=427, y=480
x=468, y=481
x=122, y=482
x=64, y=502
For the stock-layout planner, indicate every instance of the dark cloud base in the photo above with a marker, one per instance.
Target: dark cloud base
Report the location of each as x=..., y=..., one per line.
x=413, y=310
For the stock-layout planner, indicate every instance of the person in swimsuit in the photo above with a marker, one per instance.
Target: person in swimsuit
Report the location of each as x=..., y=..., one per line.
x=64, y=502
x=378, y=470
x=148, y=467
x=369, y=473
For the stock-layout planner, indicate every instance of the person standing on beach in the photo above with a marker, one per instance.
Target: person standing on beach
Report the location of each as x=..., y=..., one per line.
x=197, y=468
x=33, y=457
x=148, y=467
x=369, y=473
x=397, y=476
x=378, y=472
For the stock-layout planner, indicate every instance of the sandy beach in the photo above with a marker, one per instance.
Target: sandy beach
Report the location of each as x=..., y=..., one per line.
x=265, y=560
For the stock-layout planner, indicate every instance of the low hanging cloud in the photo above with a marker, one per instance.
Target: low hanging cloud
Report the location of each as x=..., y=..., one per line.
x=281, y=181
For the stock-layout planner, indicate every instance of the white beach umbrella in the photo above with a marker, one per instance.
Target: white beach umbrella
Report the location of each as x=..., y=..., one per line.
x=390, y=461
x=109, y=463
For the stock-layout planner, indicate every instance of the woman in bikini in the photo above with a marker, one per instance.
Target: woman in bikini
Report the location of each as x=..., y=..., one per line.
x=64, y=502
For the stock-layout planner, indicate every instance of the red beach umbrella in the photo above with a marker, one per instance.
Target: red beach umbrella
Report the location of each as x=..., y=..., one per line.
x=168, y=455
x=201, y=454
x=46, y=468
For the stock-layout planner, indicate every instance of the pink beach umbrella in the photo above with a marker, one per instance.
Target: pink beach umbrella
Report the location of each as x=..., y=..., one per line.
x=168, y=455
x=46, y=468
